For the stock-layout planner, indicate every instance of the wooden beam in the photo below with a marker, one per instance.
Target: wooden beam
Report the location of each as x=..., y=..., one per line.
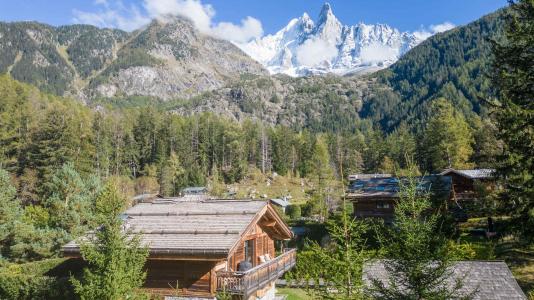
x=269, y=224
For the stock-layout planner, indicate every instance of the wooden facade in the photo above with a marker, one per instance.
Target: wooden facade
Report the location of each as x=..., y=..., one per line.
x=375, y=207
x=467, y=184
x=376, y=197
x=200, y=261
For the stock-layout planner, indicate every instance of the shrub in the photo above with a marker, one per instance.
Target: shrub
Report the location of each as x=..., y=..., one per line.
x=31, y=281
x=294, y=211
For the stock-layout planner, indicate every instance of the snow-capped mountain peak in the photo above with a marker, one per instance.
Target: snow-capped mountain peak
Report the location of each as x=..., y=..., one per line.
x=306, y=47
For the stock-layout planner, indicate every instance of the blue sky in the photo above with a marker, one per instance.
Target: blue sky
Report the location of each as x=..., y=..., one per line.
x=268, y=15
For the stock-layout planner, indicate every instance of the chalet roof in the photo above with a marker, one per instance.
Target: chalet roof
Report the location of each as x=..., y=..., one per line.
x=280, y=202
x=353, y=177
x=194, y=190
x=471, y=174
x=492, y=280
x=388, y=187
x=182, y=228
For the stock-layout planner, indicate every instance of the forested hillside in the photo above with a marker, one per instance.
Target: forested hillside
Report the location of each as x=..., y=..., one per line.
x=172, y=66
x=156, y=150
x=454, y=65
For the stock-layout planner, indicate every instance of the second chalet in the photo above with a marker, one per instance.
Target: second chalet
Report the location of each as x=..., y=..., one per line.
x=375, y=195
x=207, y=246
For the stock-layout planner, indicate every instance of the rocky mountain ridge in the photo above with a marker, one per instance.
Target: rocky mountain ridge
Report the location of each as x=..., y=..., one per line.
x=306, y=47
x=165, y=60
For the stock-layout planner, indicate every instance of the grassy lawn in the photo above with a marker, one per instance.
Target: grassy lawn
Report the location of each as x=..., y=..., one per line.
x=293, y=294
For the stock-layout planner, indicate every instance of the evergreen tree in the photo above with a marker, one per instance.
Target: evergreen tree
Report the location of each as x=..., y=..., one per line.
x=401, y=146
x=10, y=212
x=70, y=200
x=169, y=180
x=14, y=121
x=514, y=78
x=339, y=264
x=115, y=258
x=322, y=175
x=447, y=139
x=418, y=261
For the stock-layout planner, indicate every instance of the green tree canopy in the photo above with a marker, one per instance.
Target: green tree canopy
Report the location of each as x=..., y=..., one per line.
x=514, y=77
x=115, y=257
x=447, y=141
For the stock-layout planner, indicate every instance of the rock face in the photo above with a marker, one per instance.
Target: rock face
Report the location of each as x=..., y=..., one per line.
x=306, y=47
x=166, y=60
x=172, y=60
x=318, y=102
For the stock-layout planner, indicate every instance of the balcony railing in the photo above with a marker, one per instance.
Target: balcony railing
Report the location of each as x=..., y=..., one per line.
x=246, y=283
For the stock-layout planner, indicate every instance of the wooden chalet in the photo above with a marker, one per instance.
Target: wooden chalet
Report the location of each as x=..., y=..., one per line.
x=206, y=246
x=464, y=182
x=376, y=197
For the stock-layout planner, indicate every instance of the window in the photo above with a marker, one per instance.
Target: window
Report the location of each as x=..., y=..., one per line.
x=249, y=252
x=382, y=205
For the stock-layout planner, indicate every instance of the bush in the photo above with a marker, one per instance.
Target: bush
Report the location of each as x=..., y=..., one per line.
x=294, y=212
x=30, y=281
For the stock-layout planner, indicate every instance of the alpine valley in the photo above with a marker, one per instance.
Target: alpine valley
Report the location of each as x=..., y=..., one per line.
x=172, y=65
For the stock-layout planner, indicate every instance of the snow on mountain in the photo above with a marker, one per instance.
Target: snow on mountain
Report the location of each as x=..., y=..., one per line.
x=306, y=47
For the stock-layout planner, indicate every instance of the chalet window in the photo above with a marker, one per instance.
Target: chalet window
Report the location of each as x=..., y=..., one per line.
x=249, y=251
x=382, y=205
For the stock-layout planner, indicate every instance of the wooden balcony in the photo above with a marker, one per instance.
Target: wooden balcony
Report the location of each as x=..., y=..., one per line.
x=246, y=283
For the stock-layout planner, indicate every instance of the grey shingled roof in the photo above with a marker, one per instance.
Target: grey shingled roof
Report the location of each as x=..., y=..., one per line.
x=472, y=174
x=353, y=177
x=388, y=187
x=492, y=280
x=280, y=202
x=189, y=227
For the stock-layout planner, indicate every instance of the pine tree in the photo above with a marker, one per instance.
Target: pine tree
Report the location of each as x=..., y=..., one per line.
x=514, y=78
x=10, y=212
x=339, y=264
x=447, y=139
x=322, y=175
x=417, y=259
x=13, y=121
x=169, y=179
x=69, y=200
x=115, y=258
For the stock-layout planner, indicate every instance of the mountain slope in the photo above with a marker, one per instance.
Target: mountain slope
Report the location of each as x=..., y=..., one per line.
x=165, y=60
x=51, y=58
x=454, y=65
x=304, y=47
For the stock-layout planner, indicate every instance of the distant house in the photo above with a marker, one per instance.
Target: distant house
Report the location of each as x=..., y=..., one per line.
x=354, y=177
x=377, y=196
x=143, y=198
x=209, y=245
x=464, y=182
x=282, y=203
x=195, y=190
x=492, y=280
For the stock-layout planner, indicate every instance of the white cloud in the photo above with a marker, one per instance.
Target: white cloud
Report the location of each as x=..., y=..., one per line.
x=375, y=53
x=113, y=13
x=425, y=33
x=442, y=27
x=315, y=51
x=422, y=34
x=250, y=28
x=193, y=10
